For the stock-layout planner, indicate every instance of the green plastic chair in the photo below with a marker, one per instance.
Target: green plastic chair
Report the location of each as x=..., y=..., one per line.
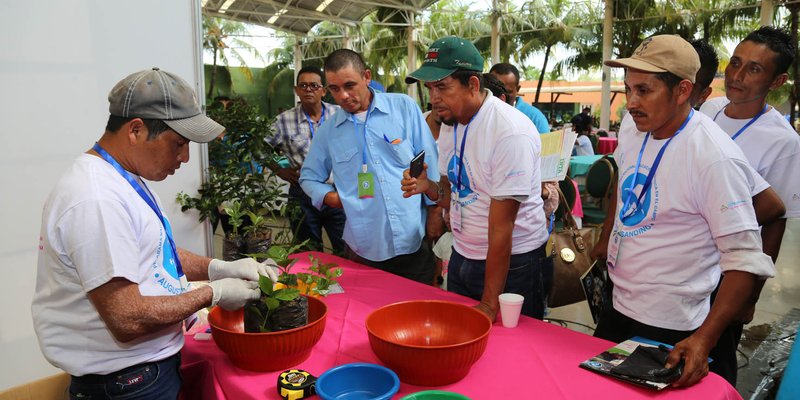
x=599, y=179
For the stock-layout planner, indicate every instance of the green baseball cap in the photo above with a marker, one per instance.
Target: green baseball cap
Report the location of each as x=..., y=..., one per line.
x=444, y=57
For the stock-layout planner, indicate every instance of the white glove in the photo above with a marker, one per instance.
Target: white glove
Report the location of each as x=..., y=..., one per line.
x=245, y=268
x=232, y=294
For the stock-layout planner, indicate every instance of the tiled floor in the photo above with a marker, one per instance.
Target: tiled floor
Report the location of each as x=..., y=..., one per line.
x=780, y=294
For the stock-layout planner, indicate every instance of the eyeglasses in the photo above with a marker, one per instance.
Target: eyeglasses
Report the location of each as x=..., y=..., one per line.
x=309, y=86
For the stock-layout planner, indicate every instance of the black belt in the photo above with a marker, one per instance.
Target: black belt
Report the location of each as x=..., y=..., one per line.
x=96, y=379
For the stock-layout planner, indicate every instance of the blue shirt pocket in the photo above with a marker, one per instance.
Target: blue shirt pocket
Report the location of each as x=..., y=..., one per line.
x=344, y=155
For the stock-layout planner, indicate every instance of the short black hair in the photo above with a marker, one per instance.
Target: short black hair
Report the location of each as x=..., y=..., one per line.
x=505, y=69
x=310, y=69
x=343, y=58
x=709, y=62
x=494, y=85
x=463, y=76
x=155, y=127
x=777, y=40
x=670, y=79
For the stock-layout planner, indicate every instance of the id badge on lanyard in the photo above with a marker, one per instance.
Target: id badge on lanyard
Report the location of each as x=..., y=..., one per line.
x=366, y=184
x=614, y=246
x=455, y=213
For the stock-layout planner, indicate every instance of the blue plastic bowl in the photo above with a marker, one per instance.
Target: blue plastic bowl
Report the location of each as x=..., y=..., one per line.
x=358, y=381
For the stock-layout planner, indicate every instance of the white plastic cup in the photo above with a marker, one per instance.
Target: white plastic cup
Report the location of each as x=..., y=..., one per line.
x=510, y=308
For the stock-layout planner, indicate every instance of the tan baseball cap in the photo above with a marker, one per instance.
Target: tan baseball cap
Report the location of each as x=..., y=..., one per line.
x=662, y=53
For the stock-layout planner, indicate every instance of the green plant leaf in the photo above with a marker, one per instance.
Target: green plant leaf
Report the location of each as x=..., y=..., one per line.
x=271, y=303
x=286, y=294
x=265, y=284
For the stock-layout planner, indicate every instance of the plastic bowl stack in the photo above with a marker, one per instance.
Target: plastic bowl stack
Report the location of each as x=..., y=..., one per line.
x=426, y=342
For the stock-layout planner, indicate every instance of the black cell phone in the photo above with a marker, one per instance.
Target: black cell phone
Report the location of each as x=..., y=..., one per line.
x=416, y=164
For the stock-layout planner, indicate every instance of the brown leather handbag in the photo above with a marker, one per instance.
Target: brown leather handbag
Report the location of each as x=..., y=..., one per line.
x=570, y=249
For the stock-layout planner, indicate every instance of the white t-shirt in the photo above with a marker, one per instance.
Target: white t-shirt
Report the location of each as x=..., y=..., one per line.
x=501, y=160
x=771, y=146
x=584, y=146
x=668, y=262
x=96, y=227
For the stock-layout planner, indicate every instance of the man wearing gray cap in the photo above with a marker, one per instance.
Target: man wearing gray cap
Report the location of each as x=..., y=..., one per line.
x=683, y=214
x=111, y=286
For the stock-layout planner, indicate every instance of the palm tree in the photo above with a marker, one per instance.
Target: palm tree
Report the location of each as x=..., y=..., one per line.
x=219, y=37
x=546, y=24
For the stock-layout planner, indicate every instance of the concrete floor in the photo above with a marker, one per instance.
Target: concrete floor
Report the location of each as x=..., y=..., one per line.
x=779, y=296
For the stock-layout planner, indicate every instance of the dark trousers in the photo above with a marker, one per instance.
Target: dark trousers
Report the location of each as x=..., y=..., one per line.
x=731, y=336
x=529, y=274
x=159, y=380
x=418, y=266
x=308, y=225
x=616, y=327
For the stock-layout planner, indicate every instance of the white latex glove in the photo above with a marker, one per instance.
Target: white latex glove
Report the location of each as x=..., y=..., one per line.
x=245, y=268
x=232, y=293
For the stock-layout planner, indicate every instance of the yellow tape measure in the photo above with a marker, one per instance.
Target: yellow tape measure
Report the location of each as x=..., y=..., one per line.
x=296, y=384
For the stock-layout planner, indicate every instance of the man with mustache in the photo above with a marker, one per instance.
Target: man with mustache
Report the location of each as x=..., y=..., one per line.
x=759, y=64
x=367, y=145
x=490, y=181
x=683, y=214
x=294, y=131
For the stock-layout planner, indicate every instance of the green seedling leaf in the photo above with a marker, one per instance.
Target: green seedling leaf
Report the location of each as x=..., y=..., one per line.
x=271, y=302
x=265, y=284
x=278, y=253
x=286, y=294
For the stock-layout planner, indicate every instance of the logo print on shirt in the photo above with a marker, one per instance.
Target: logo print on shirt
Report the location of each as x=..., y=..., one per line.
x=451, y=175
x=639, y=214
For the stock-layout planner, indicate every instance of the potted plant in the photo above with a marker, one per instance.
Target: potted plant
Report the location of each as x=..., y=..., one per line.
x=284, y=305
x=237, y=183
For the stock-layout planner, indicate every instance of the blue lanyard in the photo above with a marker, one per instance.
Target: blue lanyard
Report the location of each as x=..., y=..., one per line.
x=747, y=125
x=146, y=196
x=461, y=155
x=311, y=124
x=650, y=175
x=363, y=149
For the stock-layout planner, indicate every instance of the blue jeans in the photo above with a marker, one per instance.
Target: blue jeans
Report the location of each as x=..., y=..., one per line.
x=529, y=274
x=309, y=225
x=156, y=380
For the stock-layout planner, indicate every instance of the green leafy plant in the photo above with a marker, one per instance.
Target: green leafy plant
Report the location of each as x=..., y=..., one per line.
x=272, y=299
x=239, y=192
x=235, y=216
x=316, y=282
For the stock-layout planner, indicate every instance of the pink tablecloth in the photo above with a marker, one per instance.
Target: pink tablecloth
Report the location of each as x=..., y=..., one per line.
x=606, y=145
x=534, y=360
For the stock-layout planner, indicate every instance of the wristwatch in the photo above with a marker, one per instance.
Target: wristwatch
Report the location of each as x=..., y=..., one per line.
x=439, y=193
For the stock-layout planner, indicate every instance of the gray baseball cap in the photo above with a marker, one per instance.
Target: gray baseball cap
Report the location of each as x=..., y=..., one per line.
x=157, y=94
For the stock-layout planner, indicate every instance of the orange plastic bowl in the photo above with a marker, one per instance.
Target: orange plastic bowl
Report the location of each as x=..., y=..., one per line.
x=270, y=351
x=427, y=342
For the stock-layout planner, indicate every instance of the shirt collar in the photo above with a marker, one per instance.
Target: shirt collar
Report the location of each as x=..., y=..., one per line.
x=379, y=103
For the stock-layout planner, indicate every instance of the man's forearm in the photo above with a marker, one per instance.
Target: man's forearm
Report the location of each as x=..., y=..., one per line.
x=772, y=236
x=195, y=266
x=129, y=315
x=502, y=215
x=732, y=297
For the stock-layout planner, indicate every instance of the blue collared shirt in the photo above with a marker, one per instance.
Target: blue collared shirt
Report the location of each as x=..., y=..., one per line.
x=534, y=115
x=386, y=225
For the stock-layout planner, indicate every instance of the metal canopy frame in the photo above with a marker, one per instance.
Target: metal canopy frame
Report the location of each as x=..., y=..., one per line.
x=298, y=17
